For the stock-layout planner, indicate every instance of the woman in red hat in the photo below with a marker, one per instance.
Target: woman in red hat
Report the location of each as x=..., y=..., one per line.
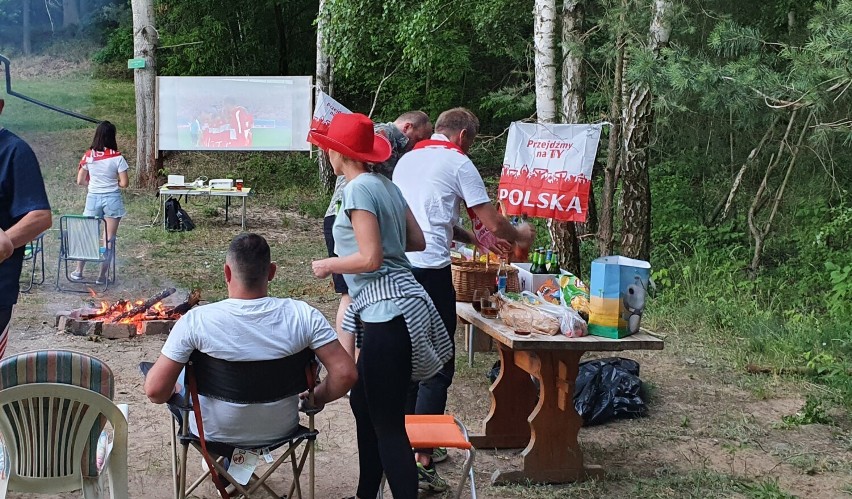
x=392, y=317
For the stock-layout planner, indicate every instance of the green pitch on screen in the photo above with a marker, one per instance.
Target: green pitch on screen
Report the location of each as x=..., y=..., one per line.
x=266, y=138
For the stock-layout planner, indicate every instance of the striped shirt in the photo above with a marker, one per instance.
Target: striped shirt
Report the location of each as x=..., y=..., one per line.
x=430, y=344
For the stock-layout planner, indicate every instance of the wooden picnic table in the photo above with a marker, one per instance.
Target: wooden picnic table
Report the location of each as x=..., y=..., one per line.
x=548, y=426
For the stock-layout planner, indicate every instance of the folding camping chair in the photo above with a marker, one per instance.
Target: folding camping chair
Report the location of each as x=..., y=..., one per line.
x=34, y=252
x=242, y=383
x=80, y=240
x=54, y=406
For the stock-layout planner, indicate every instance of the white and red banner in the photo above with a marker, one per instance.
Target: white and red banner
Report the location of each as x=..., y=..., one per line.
x=547, y=170
x=325, y=109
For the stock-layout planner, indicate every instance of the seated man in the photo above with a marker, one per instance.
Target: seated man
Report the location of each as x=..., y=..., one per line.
x=251, y=326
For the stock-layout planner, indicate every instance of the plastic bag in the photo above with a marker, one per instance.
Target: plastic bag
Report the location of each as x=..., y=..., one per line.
x=574, y=294
x=522, y=316
x=607, y=389
x=570, y=322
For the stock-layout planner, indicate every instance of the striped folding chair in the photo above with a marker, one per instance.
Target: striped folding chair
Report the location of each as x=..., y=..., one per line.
x=81, y=240
x=54, y=407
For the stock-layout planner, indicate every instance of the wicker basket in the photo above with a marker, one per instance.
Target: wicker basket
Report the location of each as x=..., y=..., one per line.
x=470, y=276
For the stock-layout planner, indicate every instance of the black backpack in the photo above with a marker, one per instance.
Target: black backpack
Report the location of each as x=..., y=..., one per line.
x=177, y=219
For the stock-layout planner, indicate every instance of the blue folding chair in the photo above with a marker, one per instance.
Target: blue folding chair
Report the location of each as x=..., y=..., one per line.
x=81, y=239
x=34, y=252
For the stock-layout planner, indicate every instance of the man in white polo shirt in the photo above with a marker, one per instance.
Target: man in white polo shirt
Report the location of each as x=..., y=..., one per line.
x=435, y=177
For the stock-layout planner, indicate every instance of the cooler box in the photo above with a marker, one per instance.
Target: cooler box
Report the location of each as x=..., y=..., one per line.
x=529, y=281
x=617, y=295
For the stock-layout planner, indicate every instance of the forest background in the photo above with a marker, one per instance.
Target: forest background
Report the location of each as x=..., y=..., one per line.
x=741, y=113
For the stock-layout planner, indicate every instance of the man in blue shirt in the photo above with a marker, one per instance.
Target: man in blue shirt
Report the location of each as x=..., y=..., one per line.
x=24, y=214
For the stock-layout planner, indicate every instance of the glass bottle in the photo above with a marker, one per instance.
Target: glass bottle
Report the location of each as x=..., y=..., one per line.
x=502, y=277
x=553, y=264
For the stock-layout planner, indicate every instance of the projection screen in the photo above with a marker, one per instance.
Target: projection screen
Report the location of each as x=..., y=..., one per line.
x=233, y=113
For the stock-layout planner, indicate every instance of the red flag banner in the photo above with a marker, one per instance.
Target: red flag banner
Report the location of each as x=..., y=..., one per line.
x=547, y=170
x=325, y=109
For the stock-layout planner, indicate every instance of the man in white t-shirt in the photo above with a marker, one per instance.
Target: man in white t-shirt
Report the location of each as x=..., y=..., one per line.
x=435, y=177
x=251, y=326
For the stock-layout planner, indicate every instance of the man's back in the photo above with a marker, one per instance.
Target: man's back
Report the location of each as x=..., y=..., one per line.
x=249, y=330
x=434, y=180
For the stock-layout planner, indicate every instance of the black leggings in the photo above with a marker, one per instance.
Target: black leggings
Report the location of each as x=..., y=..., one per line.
x=378, y=403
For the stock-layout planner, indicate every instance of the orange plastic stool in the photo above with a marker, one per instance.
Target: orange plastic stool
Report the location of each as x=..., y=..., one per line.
x=443, y=430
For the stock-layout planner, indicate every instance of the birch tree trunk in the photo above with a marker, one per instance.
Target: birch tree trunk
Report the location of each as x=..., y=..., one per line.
x=638, y=117
x=145, y=39
x=70, y=13
x=28, y=48
x=323, y=84
x=564, y=234
x=544, y=29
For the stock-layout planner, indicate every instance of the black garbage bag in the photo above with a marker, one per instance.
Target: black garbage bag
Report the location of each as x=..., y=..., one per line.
x=607, y=389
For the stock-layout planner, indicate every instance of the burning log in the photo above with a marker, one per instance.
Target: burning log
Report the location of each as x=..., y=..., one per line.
x=115, y=307
x=191, y=301
x=138, y=309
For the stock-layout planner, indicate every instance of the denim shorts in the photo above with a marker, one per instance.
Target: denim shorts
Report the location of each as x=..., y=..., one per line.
x=105, y=205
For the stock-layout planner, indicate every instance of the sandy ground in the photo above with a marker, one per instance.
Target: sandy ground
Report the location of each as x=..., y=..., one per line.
x=702, y=421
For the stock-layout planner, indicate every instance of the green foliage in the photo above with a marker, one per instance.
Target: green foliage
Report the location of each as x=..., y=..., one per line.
x=767, y=489
x=812, y=413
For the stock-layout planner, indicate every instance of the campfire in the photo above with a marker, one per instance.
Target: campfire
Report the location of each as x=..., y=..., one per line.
x=125, y=318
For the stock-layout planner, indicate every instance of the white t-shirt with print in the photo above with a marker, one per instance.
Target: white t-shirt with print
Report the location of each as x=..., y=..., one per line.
x=248, y=330
x=434, y=181
x=103, y=174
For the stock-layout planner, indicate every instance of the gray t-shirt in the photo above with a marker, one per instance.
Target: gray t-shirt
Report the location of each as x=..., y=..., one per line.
x=376, y=194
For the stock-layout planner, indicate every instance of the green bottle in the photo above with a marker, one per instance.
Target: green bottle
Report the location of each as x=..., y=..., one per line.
x=535, y=268
x=553, y=264
x=541, y=267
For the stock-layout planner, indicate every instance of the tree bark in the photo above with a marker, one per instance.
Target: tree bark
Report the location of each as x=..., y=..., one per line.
x=323, y=84
x=638, y=118
x=145, y=39
x=70, y=13
x=605, y=228
x=758, y=233
x=544, y=29
x=281, y=28
x=27, y=28
x=573, y=71
x=564, y=234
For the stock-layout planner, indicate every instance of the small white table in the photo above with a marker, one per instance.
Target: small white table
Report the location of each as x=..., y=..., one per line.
x=165, y=192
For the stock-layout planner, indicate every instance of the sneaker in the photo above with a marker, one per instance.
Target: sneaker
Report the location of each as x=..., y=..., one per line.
x=76, y=276
x=101, y=280
x=428, y=479
x=439, y=455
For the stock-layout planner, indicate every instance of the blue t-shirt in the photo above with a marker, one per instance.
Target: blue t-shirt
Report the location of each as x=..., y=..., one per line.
x=376, y=194
x=21, y=191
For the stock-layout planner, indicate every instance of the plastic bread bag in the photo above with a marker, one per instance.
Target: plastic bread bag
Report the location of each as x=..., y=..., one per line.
x=521, y=316
x=571, y=324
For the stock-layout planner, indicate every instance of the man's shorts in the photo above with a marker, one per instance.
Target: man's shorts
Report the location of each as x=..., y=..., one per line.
x=339, y=284
x=105, y=205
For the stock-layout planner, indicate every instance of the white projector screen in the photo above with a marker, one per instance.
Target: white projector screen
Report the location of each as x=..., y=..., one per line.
x=233, y=113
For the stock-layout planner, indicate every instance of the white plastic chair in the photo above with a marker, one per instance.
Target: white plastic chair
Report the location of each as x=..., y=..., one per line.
x=45, y=428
